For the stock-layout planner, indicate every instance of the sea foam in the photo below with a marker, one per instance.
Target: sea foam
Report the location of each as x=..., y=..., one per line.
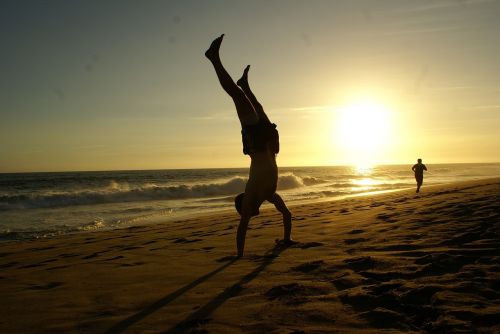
x=118, y=192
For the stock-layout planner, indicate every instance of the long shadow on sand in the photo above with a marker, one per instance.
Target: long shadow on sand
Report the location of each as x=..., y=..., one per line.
x=124, y=324
x=201, y=315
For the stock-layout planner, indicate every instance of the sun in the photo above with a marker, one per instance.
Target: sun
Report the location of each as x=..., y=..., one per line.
x=362, y=130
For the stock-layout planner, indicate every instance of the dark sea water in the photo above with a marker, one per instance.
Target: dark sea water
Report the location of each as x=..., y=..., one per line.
x=47, y=204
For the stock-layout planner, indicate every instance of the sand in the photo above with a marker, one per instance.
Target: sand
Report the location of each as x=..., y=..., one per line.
x=395, y=262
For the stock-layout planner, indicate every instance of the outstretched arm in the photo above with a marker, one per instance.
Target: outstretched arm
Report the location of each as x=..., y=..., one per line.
x=287, y=215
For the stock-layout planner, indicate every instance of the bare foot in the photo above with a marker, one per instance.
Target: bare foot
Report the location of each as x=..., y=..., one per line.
x=213, y=50
x=243, y=81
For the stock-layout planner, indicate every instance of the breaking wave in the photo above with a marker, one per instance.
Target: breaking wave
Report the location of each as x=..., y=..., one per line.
x=123, y=192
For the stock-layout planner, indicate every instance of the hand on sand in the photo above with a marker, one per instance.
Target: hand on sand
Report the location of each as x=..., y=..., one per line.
x=285, y=243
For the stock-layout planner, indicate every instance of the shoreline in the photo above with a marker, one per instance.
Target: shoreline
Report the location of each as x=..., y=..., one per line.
x=143, y=221
x=396, y=262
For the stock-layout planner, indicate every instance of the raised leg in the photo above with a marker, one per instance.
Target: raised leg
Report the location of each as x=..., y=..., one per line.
x=287, y=216
x=245, y=86
x=244, y=108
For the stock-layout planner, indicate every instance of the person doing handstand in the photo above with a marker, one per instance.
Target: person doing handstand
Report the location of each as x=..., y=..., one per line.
x=261, y=142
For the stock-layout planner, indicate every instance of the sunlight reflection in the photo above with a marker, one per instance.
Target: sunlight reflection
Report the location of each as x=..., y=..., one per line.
x=363, y=169
x=365, y=182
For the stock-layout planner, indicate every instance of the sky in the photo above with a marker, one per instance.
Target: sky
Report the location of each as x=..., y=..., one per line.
x=113, y=85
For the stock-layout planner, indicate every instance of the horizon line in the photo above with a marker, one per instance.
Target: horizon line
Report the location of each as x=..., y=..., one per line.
x=236, y=167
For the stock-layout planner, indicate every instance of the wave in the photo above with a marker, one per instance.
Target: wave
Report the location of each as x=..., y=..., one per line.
x=116, y=192
x=291, y=181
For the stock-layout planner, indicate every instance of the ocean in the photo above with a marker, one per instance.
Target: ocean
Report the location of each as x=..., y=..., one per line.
x=37, y=205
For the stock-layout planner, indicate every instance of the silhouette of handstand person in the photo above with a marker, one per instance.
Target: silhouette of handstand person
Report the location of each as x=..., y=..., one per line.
x=418, y=169
x=261, y=142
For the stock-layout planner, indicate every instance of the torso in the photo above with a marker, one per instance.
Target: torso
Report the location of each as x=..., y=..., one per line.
x=419, y=169
x=263, y=177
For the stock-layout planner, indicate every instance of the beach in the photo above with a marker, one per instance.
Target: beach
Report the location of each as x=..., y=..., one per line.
x=391, y=262
x=38, y=205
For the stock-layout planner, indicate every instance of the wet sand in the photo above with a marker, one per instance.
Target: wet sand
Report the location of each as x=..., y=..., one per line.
x=395, y=262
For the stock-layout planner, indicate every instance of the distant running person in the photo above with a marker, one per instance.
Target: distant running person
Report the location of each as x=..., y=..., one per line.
x=418, y=169
x=261, y=142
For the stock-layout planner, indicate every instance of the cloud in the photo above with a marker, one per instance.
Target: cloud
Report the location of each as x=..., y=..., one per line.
x=441, y=5
x=455, y=88
x=304, y=110
x=220, y=116
x=450, y=87
x=487, y=107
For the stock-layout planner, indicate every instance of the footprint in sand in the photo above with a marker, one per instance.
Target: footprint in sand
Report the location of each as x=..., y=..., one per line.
x=360, y=263
x=348, y=281
x=309, y=266
x=306, y=245
x=196, y=325
x=34, y=265
x=386, y=217
x=394, y=304
x=385, y=318
x=354, y=241
x=131, y=247
x=58, y=267
x=186, y=241
x=41, y=248
x=295, y=293
x=157, y=248
x=131, y=264
x=8, y=265
x=39, y=264
x=91, y=256
x=69, y=255
x=397, y=247
x=47, y=286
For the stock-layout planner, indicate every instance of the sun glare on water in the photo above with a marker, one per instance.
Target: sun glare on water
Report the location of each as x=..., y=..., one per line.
x=362, y=131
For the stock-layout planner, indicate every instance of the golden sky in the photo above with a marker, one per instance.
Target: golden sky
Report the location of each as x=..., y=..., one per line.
x=91, y=85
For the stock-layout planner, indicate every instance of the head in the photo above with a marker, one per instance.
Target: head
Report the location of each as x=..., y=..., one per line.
x=419, y=161
x=238, y=203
